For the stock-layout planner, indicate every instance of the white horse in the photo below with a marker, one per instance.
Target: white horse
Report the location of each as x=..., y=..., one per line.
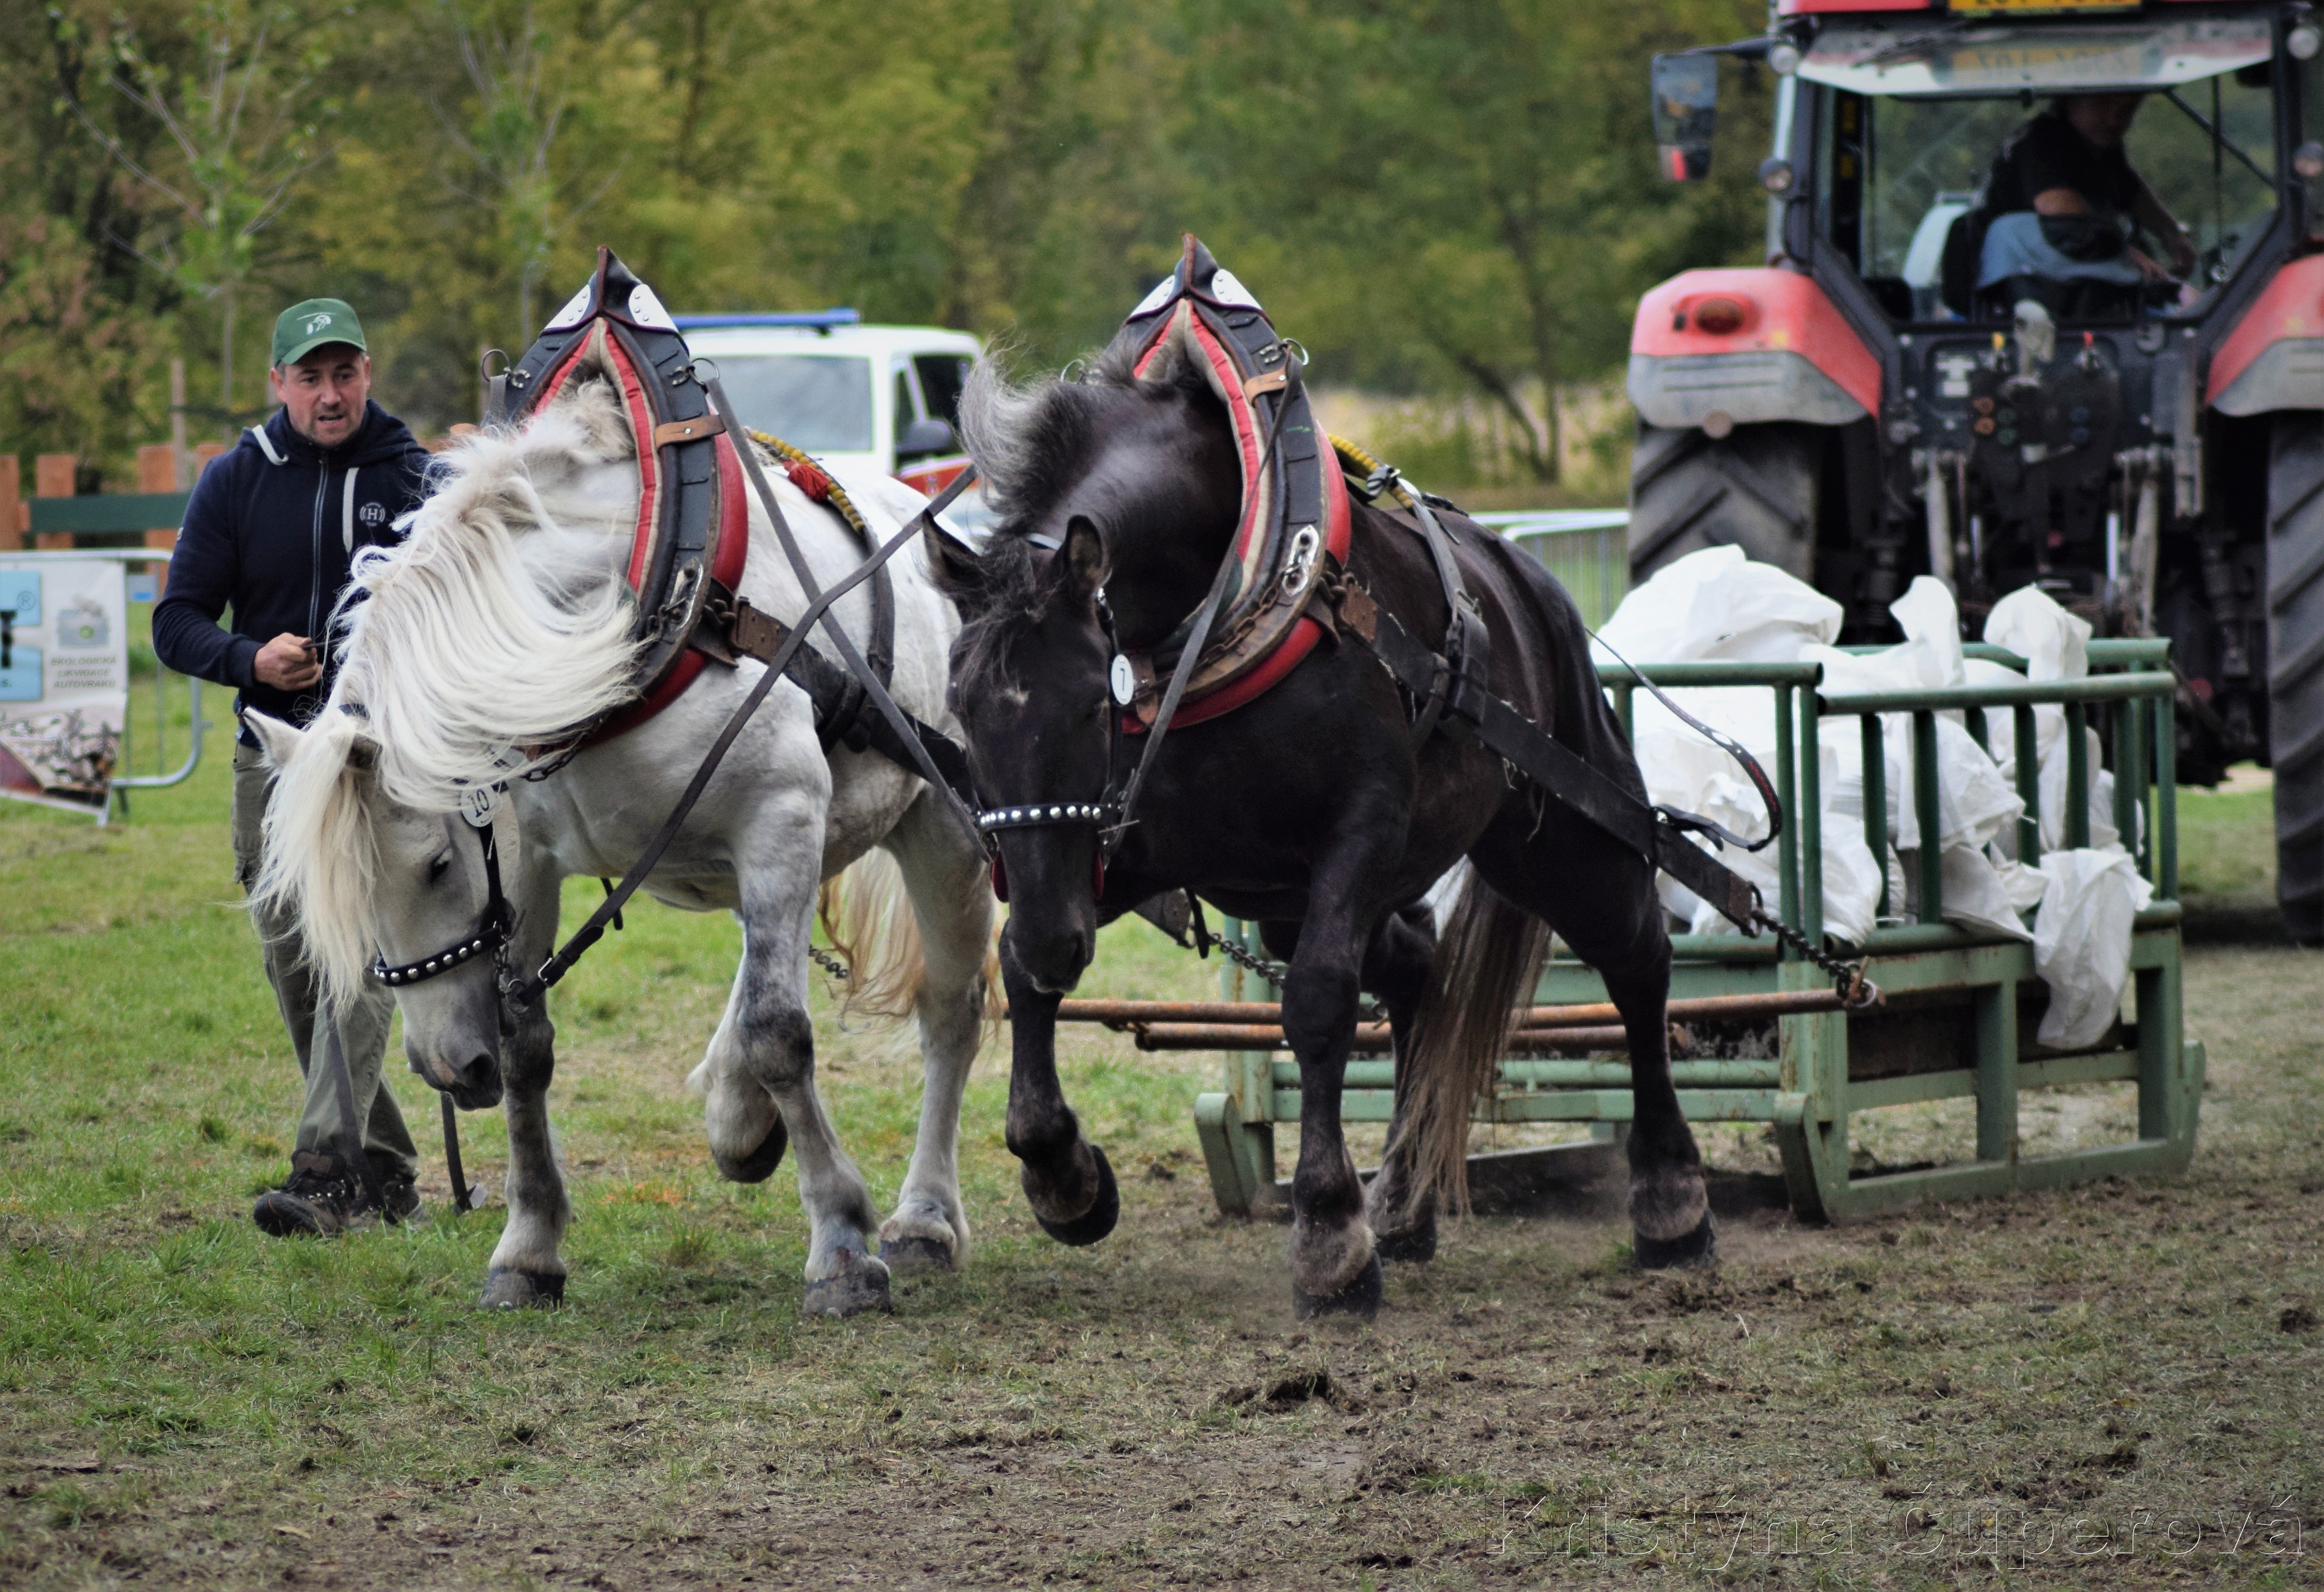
x=502, y=621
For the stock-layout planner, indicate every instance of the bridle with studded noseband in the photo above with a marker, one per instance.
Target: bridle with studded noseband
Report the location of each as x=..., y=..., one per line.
x=491, y=934
x=1106, y=814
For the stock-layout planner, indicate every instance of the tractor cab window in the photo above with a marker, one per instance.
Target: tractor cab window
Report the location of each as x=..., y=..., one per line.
x=1907, y=155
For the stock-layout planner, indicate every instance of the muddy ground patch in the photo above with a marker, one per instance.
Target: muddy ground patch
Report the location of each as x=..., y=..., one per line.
x=2114, y=1385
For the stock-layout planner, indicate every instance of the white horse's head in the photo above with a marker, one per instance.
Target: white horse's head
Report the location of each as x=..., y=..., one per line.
x=469, y=653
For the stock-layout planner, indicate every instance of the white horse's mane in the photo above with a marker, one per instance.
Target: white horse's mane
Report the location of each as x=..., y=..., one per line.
x=469, y=655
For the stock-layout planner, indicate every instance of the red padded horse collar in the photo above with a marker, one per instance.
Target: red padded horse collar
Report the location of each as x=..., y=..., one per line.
x=692, y=525
x=1293, y=514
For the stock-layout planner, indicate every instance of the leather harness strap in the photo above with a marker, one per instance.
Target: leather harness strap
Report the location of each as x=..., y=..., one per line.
x=849, y=721
x=1559, y=770
x=1467, y=663
x=907, y=736
x=731, y=629
x=520, y=990
x=1455, y=690
x=672, y=432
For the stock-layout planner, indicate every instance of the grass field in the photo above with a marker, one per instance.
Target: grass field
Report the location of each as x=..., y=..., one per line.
x=2110, y=1386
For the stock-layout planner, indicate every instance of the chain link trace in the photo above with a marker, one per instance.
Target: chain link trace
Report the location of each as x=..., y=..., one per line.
x=1848, y=980
x=1370, y=1010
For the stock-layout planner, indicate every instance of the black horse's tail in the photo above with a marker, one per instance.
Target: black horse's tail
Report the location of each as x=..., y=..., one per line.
x=1487, y=958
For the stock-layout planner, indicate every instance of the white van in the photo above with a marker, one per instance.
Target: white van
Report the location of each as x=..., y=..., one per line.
x=883, y=398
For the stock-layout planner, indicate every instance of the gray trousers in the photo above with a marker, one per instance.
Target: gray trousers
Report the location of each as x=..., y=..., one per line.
x=362, y=1034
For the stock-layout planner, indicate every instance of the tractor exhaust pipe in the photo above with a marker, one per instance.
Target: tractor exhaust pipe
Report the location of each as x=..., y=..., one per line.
x=1940, y=522
x=2136, y=601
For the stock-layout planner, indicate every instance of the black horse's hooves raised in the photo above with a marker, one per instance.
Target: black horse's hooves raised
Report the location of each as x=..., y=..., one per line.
x=507, y=1288
x=915, y=1256
x=1098, y=1220
x=1412, y=1246
x=760, y=1165
x=1361, y=1298
x=860, y=1285
x=1697, y=1248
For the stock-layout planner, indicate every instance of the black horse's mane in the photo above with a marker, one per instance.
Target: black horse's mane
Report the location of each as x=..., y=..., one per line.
x=1033, y=443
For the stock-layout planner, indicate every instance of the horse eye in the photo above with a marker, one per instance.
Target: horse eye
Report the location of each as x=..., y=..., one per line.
x=436, y=866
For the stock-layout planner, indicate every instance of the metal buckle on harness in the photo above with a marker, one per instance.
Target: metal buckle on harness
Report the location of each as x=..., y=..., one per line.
x=672, y=615
x=1469, y=648
x=1299, y=565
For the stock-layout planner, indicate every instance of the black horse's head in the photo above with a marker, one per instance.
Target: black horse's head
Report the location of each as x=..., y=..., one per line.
x=1117, y=489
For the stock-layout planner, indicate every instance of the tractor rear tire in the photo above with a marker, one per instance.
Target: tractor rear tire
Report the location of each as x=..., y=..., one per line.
x=2295, y=667
x=1755, y=488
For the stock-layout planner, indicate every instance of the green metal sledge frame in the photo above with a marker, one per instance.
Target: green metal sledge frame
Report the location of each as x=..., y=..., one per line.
x=1949, y=1025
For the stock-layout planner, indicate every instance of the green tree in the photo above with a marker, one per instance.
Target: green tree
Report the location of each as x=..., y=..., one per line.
x=242, y=123
x=520, y=101
x=1436, y=198
x=1459, y=194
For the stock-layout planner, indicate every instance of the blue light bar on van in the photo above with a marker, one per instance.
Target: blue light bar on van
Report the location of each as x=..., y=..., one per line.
x=821, y=319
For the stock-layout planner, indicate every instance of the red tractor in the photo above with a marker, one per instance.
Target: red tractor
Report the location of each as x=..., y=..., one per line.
x=1947, y=368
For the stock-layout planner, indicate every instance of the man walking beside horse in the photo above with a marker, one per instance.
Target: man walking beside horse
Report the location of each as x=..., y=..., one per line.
x=271, y=531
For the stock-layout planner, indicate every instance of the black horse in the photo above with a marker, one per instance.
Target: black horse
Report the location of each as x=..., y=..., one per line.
x=1309, y=810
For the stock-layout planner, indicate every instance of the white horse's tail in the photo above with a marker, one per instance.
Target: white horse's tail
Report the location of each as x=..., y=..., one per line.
x=867, y=916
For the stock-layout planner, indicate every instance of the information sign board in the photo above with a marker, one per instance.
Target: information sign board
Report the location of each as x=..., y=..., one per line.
x=64, y=680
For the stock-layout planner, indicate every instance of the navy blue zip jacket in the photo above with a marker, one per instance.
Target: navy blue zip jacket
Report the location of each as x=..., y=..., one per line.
x=271, y=532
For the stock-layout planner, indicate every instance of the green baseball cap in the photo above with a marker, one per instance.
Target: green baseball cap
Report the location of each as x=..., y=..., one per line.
x=302, y=328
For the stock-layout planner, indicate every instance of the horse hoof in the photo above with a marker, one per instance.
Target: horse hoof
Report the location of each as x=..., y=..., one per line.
x=1361, y=1298
x=508, y=1288
x=1414, y=1246
x=1699, y=1248
x=760, y=1165
x=915, y=1256
x=860, y=1285
x=1098, y=1220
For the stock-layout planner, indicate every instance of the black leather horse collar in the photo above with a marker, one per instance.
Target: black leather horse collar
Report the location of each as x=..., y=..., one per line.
x=693, y=524
x=1294, y=506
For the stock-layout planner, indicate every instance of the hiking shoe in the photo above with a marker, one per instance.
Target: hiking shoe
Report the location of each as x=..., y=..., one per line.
x=323, y=1198
x=403, y=1197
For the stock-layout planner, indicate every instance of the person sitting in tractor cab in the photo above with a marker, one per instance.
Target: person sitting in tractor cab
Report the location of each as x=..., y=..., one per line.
x=2065, y=213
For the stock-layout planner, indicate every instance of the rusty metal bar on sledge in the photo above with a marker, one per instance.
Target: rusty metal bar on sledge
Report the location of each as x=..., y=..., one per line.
x=1127, y=1014
x=1371, y=1039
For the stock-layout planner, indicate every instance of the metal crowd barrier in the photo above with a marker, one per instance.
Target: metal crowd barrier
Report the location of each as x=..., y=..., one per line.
x=1588, y=549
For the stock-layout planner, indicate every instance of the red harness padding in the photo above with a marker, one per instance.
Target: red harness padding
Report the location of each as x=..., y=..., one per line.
x=733, y=554
x=726, y=567
x=692, y=531
x=1203, y=313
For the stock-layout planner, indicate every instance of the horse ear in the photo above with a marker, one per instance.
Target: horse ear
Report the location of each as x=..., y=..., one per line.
x=277, y=740
x=959, y=570
x=1080, y=558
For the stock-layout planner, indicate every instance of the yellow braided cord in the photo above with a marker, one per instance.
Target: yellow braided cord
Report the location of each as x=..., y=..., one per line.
x=1356, y=463
x=1350, y=453
x=839, y=499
